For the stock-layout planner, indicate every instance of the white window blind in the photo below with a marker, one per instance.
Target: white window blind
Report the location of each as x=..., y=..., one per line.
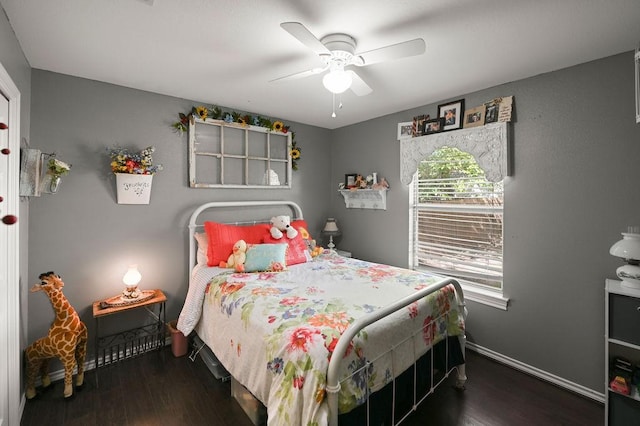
x=458, y=221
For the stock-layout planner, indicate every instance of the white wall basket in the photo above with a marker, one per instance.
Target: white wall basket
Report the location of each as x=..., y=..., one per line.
x=133, y=188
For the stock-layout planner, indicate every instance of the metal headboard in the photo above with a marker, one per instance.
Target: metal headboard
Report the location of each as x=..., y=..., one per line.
x=194, y=223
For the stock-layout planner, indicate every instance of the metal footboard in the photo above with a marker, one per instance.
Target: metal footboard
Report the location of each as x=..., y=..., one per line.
x=333, y=379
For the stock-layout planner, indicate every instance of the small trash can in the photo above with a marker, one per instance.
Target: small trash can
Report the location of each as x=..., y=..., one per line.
x=179, y=342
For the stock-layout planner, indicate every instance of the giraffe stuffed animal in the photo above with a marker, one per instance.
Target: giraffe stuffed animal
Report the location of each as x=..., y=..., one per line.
x=66, y=340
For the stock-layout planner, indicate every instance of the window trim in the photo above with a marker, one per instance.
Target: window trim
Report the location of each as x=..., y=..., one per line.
x=413, y=150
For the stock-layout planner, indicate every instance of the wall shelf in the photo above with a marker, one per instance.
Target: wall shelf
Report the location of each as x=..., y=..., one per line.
x=365, y=198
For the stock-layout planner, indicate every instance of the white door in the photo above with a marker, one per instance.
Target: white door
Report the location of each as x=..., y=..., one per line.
x=4, y=259
x=10, y=366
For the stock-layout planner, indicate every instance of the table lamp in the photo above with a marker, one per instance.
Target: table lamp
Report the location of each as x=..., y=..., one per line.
x=331, y=229
x=628, y=248
x=131, y=280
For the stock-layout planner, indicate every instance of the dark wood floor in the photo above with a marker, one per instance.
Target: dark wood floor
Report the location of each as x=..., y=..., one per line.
x=159, y=389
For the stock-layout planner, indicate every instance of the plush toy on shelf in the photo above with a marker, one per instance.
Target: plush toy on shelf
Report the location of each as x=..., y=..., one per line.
x=381, y=184
x=361, y=183
x=237, y=257
x=281, y=225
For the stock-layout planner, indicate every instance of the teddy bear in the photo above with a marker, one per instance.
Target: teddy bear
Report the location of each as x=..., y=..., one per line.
x=361, y=183
x=237, y=257
x=281, y=225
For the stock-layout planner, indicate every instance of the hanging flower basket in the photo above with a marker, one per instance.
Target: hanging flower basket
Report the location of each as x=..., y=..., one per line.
x=133, y=188
x=134, y=174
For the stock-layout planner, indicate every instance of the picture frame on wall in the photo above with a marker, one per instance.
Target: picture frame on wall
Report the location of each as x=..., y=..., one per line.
x=405, y=130
x=491, y=112
x=474, y=117
x=418, y=124
x=498, y=110
x=452, y=112
x=433, y=126
x=350, y=180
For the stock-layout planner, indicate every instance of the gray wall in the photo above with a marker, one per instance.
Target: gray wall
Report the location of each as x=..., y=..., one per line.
x=85, y=236
x=575, y=147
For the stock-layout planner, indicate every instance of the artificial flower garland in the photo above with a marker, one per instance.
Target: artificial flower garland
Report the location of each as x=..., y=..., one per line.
x=216, y=113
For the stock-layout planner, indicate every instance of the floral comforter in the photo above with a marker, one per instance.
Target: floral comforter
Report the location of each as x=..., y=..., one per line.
x=275, y=332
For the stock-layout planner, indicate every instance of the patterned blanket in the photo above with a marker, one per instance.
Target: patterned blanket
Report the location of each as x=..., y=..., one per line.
x=275, y=332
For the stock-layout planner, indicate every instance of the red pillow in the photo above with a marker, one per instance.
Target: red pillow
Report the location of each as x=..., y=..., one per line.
x=222, y=238
x=297, y=251
x=302, y=228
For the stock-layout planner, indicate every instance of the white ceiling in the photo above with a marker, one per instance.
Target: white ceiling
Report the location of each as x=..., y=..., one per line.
x=226, y=52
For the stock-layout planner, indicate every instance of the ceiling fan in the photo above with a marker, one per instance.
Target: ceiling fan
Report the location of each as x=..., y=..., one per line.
x=337, y=51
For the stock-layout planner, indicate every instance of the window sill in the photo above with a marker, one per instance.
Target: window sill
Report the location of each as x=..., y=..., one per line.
x=478, y=294
x=485, y=297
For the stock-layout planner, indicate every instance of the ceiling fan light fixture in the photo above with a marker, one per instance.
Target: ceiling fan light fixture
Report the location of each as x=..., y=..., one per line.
x=337, y=81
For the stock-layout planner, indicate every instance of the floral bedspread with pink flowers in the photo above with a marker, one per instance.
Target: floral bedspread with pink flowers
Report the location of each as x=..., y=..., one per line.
x=275, y=332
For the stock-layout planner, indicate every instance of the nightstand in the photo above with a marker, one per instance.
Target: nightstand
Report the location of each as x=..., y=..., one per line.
x=344, y=253
x=133, y=341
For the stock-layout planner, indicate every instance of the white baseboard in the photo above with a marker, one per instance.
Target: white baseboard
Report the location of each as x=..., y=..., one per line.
x=536, y=372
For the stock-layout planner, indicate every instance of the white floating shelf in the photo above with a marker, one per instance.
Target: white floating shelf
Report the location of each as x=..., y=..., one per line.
x=365, y=198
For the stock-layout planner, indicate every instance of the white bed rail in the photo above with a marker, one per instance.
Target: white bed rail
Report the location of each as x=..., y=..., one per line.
x=333, y=379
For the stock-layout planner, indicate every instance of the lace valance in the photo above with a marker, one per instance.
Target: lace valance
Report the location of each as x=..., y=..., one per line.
x=488, y=144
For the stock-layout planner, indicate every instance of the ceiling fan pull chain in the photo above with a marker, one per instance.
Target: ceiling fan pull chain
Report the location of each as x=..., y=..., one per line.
x=340, y=102
x=333, y=113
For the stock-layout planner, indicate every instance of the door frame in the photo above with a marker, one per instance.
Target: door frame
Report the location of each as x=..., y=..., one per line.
x=10, y=398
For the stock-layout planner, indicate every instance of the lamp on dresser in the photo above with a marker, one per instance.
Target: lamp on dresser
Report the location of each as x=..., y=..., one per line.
x=331, y=230
x=628, y=248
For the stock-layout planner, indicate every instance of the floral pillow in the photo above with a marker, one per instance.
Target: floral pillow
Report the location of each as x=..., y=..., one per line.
x=303, y=231
x=297, y=248
x=266, y=257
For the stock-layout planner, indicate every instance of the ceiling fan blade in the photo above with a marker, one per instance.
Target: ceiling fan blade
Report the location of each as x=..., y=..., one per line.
x=299, y=75
x=394, y=51
x=358, y=86
x=305, y=37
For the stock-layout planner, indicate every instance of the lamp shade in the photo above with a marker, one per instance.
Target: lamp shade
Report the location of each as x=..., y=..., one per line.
x=331, y=230
x=132, y=277
x=337, y=80
x=628, y=248
x=331, y=227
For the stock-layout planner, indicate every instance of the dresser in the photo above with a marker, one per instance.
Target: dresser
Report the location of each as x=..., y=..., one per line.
x=622, y=347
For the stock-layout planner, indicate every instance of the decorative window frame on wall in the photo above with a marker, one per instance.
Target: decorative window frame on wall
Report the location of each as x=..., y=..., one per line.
x=233, y=155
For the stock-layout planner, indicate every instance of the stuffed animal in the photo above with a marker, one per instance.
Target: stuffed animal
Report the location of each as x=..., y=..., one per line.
x=237, y=257
x=67, y=340
x=382, y=184
x=280, y=225
x=361, y=183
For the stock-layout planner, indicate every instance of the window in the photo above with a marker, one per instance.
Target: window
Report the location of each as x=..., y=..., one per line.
x=457, y=219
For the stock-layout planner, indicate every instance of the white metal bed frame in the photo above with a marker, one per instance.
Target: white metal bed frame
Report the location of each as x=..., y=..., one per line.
x=333, y=380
